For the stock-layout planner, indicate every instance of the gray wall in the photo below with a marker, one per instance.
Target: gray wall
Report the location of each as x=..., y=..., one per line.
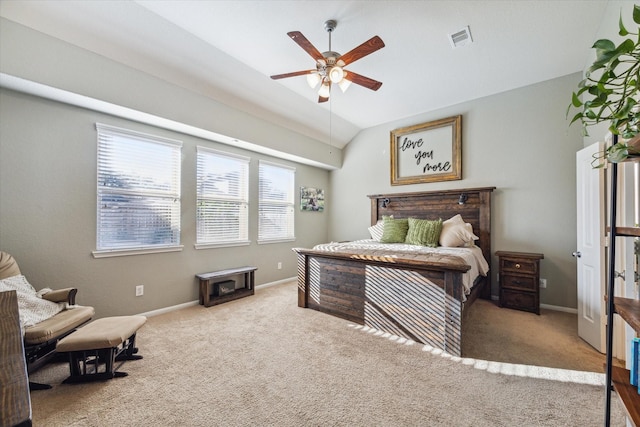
x=48, y=177
x=48, y=212
x=517, y=141
x=36, y=57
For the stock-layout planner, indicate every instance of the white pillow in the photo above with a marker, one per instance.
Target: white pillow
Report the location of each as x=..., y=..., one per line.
x=456, y=232
x=376, y=231
x=31, y=307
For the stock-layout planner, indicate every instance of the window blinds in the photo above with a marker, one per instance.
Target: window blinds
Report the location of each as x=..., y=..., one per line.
x=276, y=202
x=138, y=190
x=223, y=198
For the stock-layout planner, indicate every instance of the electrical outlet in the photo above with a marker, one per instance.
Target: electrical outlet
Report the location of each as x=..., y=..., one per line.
x=543, y=283
x=139, y=290
x=279, y=266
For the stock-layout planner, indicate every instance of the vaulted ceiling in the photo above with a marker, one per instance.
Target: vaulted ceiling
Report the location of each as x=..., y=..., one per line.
x=228, y=49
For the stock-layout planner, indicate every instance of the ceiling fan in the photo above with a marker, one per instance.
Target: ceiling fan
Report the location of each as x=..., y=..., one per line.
x=330, y=65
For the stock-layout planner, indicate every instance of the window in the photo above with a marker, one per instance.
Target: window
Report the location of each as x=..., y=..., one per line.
x=138, y=192
x=276, y=203
x=223, y=198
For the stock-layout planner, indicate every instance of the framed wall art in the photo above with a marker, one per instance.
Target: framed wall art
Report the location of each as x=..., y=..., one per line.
x=428, y=152
x=311, y=199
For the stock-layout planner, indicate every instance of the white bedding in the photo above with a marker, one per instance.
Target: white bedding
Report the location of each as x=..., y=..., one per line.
x=472, y=255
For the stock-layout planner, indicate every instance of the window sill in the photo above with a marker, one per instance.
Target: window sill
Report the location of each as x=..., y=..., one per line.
x=221, y=245
x=268, y=242
x=108, y=253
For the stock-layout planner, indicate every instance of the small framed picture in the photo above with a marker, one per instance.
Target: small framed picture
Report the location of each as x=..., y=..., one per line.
x=311, y=199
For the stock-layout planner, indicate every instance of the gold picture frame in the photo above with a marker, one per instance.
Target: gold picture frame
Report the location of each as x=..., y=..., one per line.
x=427, y=152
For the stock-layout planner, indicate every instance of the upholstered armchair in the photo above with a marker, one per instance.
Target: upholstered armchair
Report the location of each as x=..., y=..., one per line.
x=46, y=316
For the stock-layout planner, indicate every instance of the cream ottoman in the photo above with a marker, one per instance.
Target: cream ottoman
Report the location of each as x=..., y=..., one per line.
x=103, y=341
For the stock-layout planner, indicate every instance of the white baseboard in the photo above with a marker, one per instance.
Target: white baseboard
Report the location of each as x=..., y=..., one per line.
x=196, y=302
x=548, y=306
x=169, y=309
x=277, y=282
x=559, y=308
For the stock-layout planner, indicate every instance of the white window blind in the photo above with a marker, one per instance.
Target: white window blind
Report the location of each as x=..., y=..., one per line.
x=223, y=198
x=138, y=190
x=276, y=202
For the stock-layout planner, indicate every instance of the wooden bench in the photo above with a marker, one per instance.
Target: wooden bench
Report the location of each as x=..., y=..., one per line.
x=105, y=340
x=206, y=279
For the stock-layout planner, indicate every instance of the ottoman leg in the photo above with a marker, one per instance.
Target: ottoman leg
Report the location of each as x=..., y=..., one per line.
x=78, y=366
x=129, y=350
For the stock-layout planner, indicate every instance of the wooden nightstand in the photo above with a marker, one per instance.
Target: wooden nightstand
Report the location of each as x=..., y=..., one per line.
x=519, y=280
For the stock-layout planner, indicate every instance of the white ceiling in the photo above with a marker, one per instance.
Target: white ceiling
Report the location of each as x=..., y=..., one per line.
x=228, y=49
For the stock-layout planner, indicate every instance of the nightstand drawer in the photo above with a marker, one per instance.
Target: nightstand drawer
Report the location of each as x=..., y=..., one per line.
x=519, y=282
x=527, y=301
x=519, y=265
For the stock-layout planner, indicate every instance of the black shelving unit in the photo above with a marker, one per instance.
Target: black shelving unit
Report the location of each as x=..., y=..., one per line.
x=629, y=309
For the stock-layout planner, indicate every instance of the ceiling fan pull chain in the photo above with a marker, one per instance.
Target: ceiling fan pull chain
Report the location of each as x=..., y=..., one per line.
x=330, y=124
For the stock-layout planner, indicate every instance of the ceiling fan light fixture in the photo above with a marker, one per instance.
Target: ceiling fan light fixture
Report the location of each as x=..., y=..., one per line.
x=344, y=85
x=324, y=90
x=330, y=64
x=336, y=74
x=313, y=79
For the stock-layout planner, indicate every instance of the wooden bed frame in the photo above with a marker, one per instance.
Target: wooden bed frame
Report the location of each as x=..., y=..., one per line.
x=420, y=301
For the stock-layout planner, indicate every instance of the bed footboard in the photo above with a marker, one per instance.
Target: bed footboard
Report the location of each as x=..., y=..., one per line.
x=412, y=300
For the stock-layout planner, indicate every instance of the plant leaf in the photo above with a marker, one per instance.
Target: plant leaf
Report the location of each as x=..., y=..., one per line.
x=604, y=45
x=625, y=47
x=636, y=14
x=617, y=152
x=623, y=31
x=575, y=100
x=575, y=118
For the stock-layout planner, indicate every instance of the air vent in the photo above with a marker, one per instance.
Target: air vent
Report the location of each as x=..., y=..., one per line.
x=460, y=38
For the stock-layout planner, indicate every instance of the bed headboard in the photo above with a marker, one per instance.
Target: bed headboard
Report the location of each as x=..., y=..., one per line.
x=474, y=204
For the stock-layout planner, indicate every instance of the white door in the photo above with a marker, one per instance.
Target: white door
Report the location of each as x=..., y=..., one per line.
x=590, y=248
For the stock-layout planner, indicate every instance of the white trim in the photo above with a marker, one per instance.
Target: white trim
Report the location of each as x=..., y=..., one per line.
x=279, y=165
x=277, y=282
x=221, y=245
x=223, y=153
x=107, y=253
x=135, y=134
x=196, y=302
x=268, y=242
x=559, y=308
x=547, y=306
x=49, y=92
x=169, y=309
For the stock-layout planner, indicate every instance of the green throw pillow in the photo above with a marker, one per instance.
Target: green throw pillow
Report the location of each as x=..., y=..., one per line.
x=424, y=232
x=395, y=230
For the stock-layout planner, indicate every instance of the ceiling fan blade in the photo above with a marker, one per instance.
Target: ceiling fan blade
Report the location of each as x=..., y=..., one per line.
x=322, y=99
x=305, y=44
x=370, y=46
x=363, y=81
x=295, y=73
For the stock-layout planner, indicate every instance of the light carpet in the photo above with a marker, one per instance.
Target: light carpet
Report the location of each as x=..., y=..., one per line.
x=262, y=361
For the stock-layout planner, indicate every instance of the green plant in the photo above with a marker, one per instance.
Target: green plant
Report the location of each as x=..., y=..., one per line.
x=611, y=87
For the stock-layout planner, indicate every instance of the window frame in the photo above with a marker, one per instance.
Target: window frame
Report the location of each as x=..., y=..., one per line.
x=245, y=200
x=289, y=203
x=175, y=158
